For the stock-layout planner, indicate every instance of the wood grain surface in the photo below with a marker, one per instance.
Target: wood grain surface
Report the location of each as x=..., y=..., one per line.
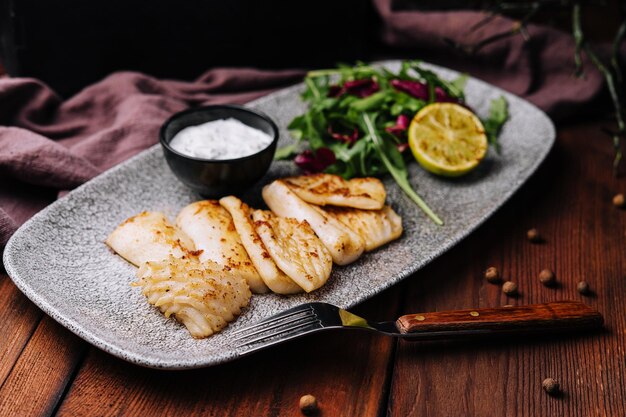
x=44, y=370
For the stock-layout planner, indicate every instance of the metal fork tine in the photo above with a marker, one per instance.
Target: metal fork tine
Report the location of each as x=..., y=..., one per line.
x=293, y=318
x=282, y=331
x=277, y=317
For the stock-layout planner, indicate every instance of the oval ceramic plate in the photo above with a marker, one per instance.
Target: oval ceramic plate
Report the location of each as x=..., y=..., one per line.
x=59, y=259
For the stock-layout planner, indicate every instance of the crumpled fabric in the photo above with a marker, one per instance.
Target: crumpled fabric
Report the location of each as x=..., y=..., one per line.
x=540, y=68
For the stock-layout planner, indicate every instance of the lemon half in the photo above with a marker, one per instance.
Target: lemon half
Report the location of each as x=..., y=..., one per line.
x=447, y=139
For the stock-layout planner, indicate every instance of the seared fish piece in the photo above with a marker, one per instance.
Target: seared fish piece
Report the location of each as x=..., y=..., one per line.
x=212, y=230
x=328, y=189
x=149, y=236
x=344, y=245
x=295, y=249
x=376, y=227
x=273, y=277
x=201, y=295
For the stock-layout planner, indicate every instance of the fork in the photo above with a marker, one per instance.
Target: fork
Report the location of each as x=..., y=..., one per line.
x=526, y=319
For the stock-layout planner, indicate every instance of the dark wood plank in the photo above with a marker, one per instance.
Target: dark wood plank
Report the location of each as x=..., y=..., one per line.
x=569, y=202
x=42, y=372
x=18, y=320
x=346, y=372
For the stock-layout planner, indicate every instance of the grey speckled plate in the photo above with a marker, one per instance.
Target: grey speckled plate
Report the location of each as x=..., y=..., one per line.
x=58, y=258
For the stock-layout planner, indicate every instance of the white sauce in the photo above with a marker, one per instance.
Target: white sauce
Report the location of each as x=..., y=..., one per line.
x=220, y=139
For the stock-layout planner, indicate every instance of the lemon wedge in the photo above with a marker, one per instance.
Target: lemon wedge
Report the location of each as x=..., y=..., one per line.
x=447, y=139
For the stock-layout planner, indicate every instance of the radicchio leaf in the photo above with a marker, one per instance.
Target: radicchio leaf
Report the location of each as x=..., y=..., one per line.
x=419, y=90
x=402, y=124
x=343, y=137
x=315, y=162
x=360, y=88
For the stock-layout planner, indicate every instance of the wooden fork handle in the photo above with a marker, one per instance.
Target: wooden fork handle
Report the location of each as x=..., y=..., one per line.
x=535, y=318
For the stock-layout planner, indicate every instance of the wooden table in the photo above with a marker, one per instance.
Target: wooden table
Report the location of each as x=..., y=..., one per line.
x=46, y=370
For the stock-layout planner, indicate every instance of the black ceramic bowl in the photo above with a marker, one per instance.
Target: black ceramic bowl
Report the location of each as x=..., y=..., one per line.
x=212, y=177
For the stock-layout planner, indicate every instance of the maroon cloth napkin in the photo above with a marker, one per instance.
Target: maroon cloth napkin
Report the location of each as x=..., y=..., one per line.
x=47, y=144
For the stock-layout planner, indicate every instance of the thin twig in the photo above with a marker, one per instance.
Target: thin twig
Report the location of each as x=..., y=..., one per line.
x=482, y=22
x=617, y=43
x=611, y=82
x=579, y=39
x=518, y=27
x=619, y=113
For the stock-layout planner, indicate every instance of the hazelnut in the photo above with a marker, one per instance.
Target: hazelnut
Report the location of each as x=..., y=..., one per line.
x=547, y=277
x=308, y=404
x=533, y=235
x=618, y=200
x=583, y=287
x=509, y=288
x=551, y=386
x=492, y=275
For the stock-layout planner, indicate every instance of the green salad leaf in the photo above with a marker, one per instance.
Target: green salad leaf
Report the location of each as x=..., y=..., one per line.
x=498, y=115
x=393, y=161
x=286, y=152
x=361, y=115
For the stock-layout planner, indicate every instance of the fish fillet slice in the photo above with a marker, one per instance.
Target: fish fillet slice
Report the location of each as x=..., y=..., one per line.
x=295, y=248
x=212, y=230
x=327, y=189
x=202, y=296
x=149, y=236
x=376, y=227
x=273, y=277
x=344, y=245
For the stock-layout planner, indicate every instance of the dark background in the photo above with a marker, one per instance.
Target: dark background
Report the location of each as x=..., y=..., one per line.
x=72, y=43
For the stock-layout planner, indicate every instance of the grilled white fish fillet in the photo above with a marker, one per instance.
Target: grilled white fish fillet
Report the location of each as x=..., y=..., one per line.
x=201, y=295
x=212, y=230
x=273, y=277
x=344, y=245
x=376, y=227
x=295, y=248
x=149, y=236
x=328, y=189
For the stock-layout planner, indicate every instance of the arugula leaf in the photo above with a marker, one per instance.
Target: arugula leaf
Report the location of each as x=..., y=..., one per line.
x=367, y=103
x=313, y=89
x=286, y=152
x=314, y=124
x=498, y=115
x=458, y=84
x=297, y=127
x=391, y=157
x=433, y=80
